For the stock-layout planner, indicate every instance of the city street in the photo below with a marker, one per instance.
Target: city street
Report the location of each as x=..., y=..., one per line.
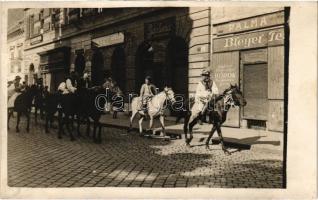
x=37, y=159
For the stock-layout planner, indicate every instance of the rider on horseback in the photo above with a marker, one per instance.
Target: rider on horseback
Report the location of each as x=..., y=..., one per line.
x=147, y=91
x=69, y=86
x=205, y=91
x=14, y=90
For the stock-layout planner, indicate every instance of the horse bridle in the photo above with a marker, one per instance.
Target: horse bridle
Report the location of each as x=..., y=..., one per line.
x=228, y=100
x=167, y=95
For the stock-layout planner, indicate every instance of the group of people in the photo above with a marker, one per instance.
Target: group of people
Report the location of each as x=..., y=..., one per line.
x=205, y=91
x=73, y=81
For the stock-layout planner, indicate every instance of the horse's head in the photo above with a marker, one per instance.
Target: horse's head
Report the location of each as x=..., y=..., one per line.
x=236, y=95
x=170, y=94
x=113, y=88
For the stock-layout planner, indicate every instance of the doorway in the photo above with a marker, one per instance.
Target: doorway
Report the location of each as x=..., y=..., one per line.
x=255, y=89
x=118, y=68
x=97, y=68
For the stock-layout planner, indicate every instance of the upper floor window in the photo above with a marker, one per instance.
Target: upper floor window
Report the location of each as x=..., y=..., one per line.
x=19, y=67
x=89, y=11
x=12, y=68
x=73, y=14
x=20, y=53
x=12, y=55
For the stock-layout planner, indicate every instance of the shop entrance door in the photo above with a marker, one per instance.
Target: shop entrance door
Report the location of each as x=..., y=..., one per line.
x=255, y=92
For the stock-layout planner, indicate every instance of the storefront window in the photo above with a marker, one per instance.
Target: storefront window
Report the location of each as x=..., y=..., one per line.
x=12, y=68
x=19, y=67
x=20, y=53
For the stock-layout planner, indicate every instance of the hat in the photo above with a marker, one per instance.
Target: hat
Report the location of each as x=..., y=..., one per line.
x=205, y=72
x=17, y=78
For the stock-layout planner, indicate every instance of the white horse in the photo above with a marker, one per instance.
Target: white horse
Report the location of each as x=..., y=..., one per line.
x=155, y=107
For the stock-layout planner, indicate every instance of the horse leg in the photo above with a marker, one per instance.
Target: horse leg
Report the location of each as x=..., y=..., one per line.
x=72, y=122
x=185, y=127
x=94, y=132
x=60, y=122
x=218, y=128
x=41, y=113
x=36, y=114
x=162, y=122
x=47, y=123
x=140, y=124
x=10, y=112
x=131, y=120
x=191, y=125
x=192, y=121
x=151, y=126
x=18, y=122
x=68, y=121
x=78, y=119
x=210, y=136
x=27, y=114
x=88, y=126
x=99, y=137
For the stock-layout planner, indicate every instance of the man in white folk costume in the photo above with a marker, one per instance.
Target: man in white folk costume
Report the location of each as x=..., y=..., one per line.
x=14, y=90
x=205, y=91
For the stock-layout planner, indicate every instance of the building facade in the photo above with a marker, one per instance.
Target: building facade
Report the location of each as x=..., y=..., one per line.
x=244, y=46
x=249, y=47
x=15, y=45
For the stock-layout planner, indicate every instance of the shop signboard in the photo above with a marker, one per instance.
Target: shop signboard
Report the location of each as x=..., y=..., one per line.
x=249, y=40
x=263, y=21
x=108, y=40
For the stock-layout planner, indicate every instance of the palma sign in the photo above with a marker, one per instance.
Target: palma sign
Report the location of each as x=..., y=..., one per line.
x=262, y=21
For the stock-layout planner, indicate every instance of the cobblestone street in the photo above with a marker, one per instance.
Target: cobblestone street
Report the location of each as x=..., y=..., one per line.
x=37, y=159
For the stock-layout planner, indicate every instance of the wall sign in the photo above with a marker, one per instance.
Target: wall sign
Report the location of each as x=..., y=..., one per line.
x=250, y=40
x=108, y=40
x=162, y=28
x=36, y=40
x=226, y=72
x=251, y=24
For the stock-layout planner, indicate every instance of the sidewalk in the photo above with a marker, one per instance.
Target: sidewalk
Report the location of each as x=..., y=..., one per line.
x=250, y=137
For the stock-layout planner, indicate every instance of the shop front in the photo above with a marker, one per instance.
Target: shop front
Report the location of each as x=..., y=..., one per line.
x=163, y=55
x=108, y=59
x=250, y=53
x=54, y=66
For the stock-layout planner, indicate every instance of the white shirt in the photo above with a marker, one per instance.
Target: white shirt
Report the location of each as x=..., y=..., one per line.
x=203, y=94
x=69, y=86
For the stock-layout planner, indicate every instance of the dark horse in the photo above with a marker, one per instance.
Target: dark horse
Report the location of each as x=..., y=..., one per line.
x=38, y=103
x=91, y=105
x=81, y=105
x=217, y=112
x=22, y=105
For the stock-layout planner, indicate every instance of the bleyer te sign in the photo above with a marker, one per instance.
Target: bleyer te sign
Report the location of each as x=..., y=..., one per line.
x=249, y=40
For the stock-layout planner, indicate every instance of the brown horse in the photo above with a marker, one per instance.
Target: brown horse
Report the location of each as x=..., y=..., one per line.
x=217, y=112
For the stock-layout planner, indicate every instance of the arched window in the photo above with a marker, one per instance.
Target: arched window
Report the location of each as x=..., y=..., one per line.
x=97, y=67
x=144, y=61
x=80, y=63
x=177, y=64
x=118, y=68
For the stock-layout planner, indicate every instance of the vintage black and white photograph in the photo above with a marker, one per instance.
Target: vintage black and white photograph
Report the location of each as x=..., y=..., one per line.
x=147, y=97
